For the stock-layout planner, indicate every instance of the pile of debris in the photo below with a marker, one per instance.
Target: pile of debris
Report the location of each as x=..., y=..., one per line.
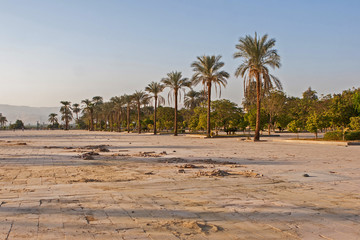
x=149, y=154
x=210, y=161
x=213, y=173
x=250, y=173
x=188, y=165
x=88, y=155
x=173, y=160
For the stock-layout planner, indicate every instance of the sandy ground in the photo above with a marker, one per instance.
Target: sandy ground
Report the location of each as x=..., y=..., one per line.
x=48, y=191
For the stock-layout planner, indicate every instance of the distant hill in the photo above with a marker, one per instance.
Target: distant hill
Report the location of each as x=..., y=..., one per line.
x=29, y=115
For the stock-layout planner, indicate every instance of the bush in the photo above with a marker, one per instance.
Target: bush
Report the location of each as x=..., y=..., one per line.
x=335, y=135
x=354, y=135
x=338, y=135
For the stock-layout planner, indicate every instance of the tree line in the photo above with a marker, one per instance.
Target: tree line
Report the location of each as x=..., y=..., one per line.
x=265, y=105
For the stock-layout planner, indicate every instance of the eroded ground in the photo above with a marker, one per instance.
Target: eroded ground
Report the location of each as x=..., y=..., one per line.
x=66, y=185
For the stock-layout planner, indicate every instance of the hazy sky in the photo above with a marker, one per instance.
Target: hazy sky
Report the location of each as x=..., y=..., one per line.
x=72, y=50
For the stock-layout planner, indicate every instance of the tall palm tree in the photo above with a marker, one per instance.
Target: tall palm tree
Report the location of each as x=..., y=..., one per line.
x=76, y=109
x=128, y=100
x=89, y=109
x=175, y=82
x=97, y=101
x=207, y=71
x=258, y=54
x=140, y=98
x=155, y=88
x=66, y=113
x=118, y=107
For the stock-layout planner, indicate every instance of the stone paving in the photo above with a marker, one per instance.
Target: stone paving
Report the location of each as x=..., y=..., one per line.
x=51, y=193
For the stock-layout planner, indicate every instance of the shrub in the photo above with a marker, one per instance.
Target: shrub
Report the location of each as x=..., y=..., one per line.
x=335, y=135
x=354, y=135
x=338, y=135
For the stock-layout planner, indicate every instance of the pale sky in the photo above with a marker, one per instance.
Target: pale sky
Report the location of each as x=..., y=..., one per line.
x=71, y=50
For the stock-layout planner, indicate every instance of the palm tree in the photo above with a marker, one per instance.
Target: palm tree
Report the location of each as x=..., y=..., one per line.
x=155, y=88
x=175, y=82
x=97, y=101
x=118, y=107
x=207, y=71
x=89, y=109
x=258, y=54
x=139, y=97
x=66, y=113
x=76, y=109
x=192, y=99
x=128, y=100
x=52, y=118
x=3, y=120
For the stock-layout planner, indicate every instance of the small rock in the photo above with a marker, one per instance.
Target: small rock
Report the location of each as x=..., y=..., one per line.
x=181, y=171
x=306, y=175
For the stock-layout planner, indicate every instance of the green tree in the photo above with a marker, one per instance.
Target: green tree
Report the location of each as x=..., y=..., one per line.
x=355, y=123
x=76, y=109
x=193, y=99
x=139, y=97
x=258, y=55
x=226, y=114
x=294, y=127
x=97, y=101
x=89, y=110
x=17, y=125
x=155, y=89
x=251, y=118
x=3, y=120
x=118, y=103
x=175, y=82
x=53, y=119
x=313, y=124
x=165, y=117
x=128, y=100
x=208, y=72
x=66, y=114
x=273, y=103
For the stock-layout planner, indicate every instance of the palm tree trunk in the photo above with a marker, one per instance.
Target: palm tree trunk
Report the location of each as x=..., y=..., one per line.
x=92, y=121
x=155, y=115
x=175, y=120
x=119, y=121
x=139, y=125
x=208, y=110
x=269, y=126
x=258, y=106
x=128, y=117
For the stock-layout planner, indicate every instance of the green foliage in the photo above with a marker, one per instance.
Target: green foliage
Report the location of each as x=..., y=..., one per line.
x=17, y=125
x=293, y=126
x=355, y=123
x=313, y=123
x=334, y=135
x=251, y=118
x=338, y=135
x=353, y=135
x=356, y=100
x=198, y=119
x=283, y=120
x=165, y=118
x=226, y=114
